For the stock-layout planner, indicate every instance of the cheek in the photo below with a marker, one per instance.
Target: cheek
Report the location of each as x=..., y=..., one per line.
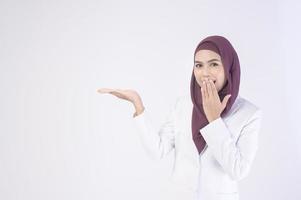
x=196, y=74
x=222, y=81
x=220, y=75
x=197, y=78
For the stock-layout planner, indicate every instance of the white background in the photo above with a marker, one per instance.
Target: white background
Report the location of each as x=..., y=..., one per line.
x=59, y=139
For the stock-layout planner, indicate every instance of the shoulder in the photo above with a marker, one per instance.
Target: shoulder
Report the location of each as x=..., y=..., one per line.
x=244, y=113
x=246, y=109
x=248, y=105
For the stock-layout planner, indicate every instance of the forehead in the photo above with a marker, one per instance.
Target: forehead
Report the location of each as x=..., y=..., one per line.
x=204, y=55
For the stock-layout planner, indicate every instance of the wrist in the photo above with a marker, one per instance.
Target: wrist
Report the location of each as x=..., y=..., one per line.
x=138, y=111
x=213, y=118
x=138, y=104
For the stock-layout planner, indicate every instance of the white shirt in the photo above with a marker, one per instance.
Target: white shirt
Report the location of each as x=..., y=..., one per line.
x=232, y=142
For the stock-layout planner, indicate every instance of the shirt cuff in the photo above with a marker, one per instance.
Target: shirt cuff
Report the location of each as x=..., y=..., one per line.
x=215, y=132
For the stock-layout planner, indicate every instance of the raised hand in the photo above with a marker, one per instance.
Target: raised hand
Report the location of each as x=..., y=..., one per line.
x=212, y=105
x=127, y=94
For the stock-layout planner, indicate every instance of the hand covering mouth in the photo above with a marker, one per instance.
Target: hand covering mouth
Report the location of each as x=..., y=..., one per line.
x=212, y=80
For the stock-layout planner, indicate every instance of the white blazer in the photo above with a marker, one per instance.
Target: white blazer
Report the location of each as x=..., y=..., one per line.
x=232, y=142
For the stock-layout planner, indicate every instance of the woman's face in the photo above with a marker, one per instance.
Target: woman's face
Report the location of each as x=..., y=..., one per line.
x=208, y=65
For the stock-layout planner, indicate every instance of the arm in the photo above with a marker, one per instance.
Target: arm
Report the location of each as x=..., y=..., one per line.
x=235, y=157
x=156, y=143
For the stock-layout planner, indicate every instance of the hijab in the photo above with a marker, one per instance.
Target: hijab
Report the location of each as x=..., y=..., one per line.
x=230, y=61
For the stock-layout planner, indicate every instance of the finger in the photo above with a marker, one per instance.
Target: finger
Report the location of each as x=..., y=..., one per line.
x=205, y=90
x=203, y=94
x=104, y=90
x=120, y=95
x=213, y=88
x=225, y=101
x=115, y=93
x=208, y=88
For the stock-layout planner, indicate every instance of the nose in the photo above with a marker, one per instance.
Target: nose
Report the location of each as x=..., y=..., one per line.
x=205, y=73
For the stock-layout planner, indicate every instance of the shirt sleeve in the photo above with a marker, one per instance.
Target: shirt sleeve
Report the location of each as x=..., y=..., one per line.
x=157, y=143
x=235, y=157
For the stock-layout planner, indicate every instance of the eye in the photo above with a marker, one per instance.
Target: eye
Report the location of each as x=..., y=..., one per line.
x=198, y=65
x=214, y=64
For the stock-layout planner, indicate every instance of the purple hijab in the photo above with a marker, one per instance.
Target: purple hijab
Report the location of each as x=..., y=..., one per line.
x=231, y=65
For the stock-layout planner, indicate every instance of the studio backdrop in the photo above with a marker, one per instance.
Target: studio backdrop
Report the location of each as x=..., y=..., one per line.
x=60, y=139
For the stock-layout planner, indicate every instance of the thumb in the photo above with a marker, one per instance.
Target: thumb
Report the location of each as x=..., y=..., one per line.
x=225, y=101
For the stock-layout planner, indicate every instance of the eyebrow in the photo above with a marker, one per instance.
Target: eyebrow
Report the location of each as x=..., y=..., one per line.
x=208, y=60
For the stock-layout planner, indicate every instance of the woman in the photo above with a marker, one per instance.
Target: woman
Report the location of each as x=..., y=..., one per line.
x=213, y=130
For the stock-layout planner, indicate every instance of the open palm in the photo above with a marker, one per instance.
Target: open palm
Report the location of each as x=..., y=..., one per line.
x=127, y=94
